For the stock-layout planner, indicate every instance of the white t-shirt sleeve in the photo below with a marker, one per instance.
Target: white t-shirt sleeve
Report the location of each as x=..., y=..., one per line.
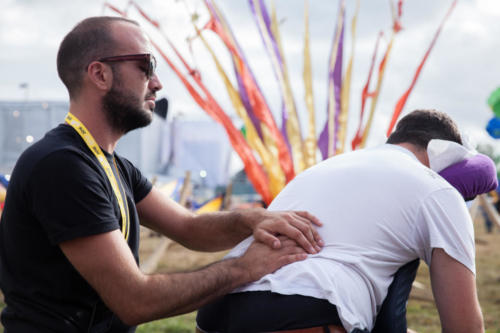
x=447, y=224
x=240, y=249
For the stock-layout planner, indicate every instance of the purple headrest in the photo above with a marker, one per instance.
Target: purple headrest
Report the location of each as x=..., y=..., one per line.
x=472, y=176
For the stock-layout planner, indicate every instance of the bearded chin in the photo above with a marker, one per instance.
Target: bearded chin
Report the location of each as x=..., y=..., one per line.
x=124, y=112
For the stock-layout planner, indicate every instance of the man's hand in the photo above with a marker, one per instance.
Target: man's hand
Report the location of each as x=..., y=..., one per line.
x=297, y=225
x=260, y=259
x=223, y=230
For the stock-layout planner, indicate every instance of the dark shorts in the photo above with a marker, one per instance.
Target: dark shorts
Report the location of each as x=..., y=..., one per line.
x=264, y=311
x=261, y=311
x=392, y=315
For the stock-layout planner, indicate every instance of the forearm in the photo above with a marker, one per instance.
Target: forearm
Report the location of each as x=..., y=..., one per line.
x=469, y=329
x=107, y=264
x=205, y=232
x=226, y=229
x=171, y=294
x=216, y=231
x=222, y=230
x=468, y=321
x=454, y=289
x=164, y=295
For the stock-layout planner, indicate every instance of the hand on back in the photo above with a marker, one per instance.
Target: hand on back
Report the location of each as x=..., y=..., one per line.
x=260, y=259
x=299, y=226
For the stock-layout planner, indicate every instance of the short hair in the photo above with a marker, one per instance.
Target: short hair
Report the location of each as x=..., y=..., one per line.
x=89, y=40
x=421, y=126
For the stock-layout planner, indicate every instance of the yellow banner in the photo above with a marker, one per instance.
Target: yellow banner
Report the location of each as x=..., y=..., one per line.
x=293, y=124
x=346, y=88
x=213, y=205
x=310, y=145
x=270, y=164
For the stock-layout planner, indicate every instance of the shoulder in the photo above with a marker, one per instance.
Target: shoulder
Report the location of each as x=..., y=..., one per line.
x=61, y=159
x=60, y=141
x=446, y=224
x=62, y=152
x=69, y=172
x=445, y=197
x=58, y=153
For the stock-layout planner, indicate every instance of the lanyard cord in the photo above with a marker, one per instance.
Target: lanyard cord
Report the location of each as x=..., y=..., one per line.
x=94, y=147
x=127, y=225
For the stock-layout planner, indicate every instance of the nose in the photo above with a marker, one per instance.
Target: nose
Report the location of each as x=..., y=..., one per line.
x=154, y=83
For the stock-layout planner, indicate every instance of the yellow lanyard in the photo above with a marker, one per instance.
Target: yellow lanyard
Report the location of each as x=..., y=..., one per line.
x=94, y=147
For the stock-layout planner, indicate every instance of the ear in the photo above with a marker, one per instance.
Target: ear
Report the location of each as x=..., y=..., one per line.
x=100, y=75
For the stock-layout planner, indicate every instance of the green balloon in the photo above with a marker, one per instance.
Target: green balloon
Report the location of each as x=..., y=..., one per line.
x=494, y=102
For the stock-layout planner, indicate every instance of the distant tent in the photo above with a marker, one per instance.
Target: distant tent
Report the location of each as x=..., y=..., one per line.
x=199, y=146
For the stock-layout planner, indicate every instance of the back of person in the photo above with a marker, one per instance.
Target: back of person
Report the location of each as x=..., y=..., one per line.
x=381, y=209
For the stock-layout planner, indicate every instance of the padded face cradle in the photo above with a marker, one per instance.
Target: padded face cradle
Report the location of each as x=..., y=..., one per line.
x=472, y=176
x=443, y=153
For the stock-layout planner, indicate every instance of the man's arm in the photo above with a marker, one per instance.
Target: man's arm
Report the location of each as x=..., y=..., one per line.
x=222, y=230
x=454, y=289
x=107, y=264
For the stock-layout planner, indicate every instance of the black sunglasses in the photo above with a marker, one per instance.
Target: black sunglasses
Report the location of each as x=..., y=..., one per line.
x=147, y=58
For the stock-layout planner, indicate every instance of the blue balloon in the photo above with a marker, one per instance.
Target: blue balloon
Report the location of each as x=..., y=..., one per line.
x=493, y=127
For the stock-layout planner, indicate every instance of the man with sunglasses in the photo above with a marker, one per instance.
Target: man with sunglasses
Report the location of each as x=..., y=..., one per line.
x=69, y=234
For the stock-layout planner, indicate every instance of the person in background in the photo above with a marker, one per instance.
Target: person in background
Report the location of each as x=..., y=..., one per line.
x=496, y=198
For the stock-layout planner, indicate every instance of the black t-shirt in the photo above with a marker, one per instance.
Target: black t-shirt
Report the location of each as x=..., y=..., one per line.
x=58, y=191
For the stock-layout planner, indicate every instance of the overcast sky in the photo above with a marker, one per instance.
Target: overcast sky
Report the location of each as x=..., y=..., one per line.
x=461, y=72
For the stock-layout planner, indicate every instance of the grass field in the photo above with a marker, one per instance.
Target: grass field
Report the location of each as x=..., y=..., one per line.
x=422, y=314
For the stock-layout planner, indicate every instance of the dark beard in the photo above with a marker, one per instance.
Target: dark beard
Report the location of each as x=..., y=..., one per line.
x=124, y=112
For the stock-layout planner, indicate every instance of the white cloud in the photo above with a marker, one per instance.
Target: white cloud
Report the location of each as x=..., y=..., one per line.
x=460, y=73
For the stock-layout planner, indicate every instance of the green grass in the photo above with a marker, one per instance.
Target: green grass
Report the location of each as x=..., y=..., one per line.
x=180, y=324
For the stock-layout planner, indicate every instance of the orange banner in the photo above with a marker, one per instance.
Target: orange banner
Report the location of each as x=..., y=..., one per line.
x=402, y=100
x=257, y=101
x=252, y=168
x=271, y=165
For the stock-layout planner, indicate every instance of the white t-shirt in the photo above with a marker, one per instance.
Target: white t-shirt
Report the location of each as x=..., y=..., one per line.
x=381, y=209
